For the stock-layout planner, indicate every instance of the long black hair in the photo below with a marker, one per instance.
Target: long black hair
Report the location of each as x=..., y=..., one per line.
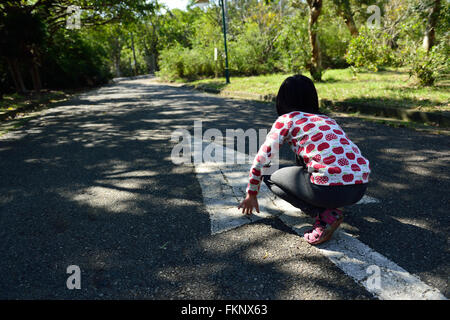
x=297, y=93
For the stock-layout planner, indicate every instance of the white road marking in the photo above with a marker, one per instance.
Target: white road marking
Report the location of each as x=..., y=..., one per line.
x=223, y=187
x=367, y=199
x=356, y=259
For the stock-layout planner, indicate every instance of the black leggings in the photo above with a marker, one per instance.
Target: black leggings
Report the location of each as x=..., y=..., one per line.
x=293, y=185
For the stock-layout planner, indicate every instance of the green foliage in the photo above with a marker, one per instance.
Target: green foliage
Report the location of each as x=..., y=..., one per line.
x=428, y=67
x=71, y=60
x=334, y=39
x=124, y=38
x=293, y=44
x=369, y=50
x=179, y=62
x=251, y=47
x=251, y=52
x=33, y=37
x=22, y=34
x=19, y=32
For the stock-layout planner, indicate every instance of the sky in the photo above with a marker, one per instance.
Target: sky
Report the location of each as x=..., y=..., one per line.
x=172, y=4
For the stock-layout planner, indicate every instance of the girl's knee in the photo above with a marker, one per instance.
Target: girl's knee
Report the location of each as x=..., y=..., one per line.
x=283, y=175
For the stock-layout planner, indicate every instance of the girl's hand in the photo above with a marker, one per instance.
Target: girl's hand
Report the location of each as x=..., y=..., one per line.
x=248, y=204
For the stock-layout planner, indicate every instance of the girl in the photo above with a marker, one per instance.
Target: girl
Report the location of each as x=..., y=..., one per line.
x=331, y=171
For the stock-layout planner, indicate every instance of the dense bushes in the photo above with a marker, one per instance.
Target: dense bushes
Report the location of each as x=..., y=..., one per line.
x=265, y=37
x=66, y=59
x=427, y=68
x=252, y=52
x=40, y=48
x=293, y=44
x=369, y=50
x=261, y=47
x=70, y=61
x=180, y=62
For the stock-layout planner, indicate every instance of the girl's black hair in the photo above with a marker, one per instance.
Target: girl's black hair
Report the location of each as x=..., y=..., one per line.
x=297, y=93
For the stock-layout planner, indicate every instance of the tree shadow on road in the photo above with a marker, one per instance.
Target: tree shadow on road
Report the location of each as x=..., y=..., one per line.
x=91, y=184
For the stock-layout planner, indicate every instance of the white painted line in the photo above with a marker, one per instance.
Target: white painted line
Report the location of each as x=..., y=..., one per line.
x=223, y=187
x=366, y=199
x=358, y=261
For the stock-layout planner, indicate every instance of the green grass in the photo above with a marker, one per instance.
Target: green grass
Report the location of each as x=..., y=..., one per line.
x=16, y=109
x=389, y=88
x=16, y=101
x=396, y=123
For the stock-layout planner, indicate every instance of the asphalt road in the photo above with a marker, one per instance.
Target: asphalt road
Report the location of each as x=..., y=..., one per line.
x=91, y=183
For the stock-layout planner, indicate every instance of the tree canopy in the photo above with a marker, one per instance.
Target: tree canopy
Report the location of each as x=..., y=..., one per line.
x=122, y=38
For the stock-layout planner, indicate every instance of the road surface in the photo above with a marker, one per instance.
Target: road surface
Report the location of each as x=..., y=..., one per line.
x=91, y=183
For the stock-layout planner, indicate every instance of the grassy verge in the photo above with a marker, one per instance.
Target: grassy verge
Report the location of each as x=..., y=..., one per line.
x=16, y=109
x=389, y=88
x=396, y=123
x=13, y=104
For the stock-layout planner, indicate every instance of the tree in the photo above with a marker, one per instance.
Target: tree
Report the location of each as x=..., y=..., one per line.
x=26, y=25
x=22, y=33
x=315, y=68
x=343, y=9
x=433, y=8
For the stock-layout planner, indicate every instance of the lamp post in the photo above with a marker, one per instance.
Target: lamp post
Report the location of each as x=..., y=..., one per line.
x=223, y=5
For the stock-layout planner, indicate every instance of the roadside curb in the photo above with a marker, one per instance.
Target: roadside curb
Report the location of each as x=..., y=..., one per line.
x=234, y=94
x=442, y=119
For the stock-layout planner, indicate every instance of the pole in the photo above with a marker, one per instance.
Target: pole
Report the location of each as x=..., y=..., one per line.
x=227, y=75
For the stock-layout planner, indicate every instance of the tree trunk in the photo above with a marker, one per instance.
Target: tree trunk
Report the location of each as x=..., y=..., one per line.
x=36, y=77
x=345, y=11
x=347, y=15
x=351, y=26
x=152, y=63
x=117, y=65
x=116, y=54
x=154, y=48
x=315, y=68
x=134, y=54
x=429, y=37
x=13, y=75
x=16, y=75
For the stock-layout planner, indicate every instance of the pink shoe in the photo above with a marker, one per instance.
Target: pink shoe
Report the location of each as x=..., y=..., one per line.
x=326, y=223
